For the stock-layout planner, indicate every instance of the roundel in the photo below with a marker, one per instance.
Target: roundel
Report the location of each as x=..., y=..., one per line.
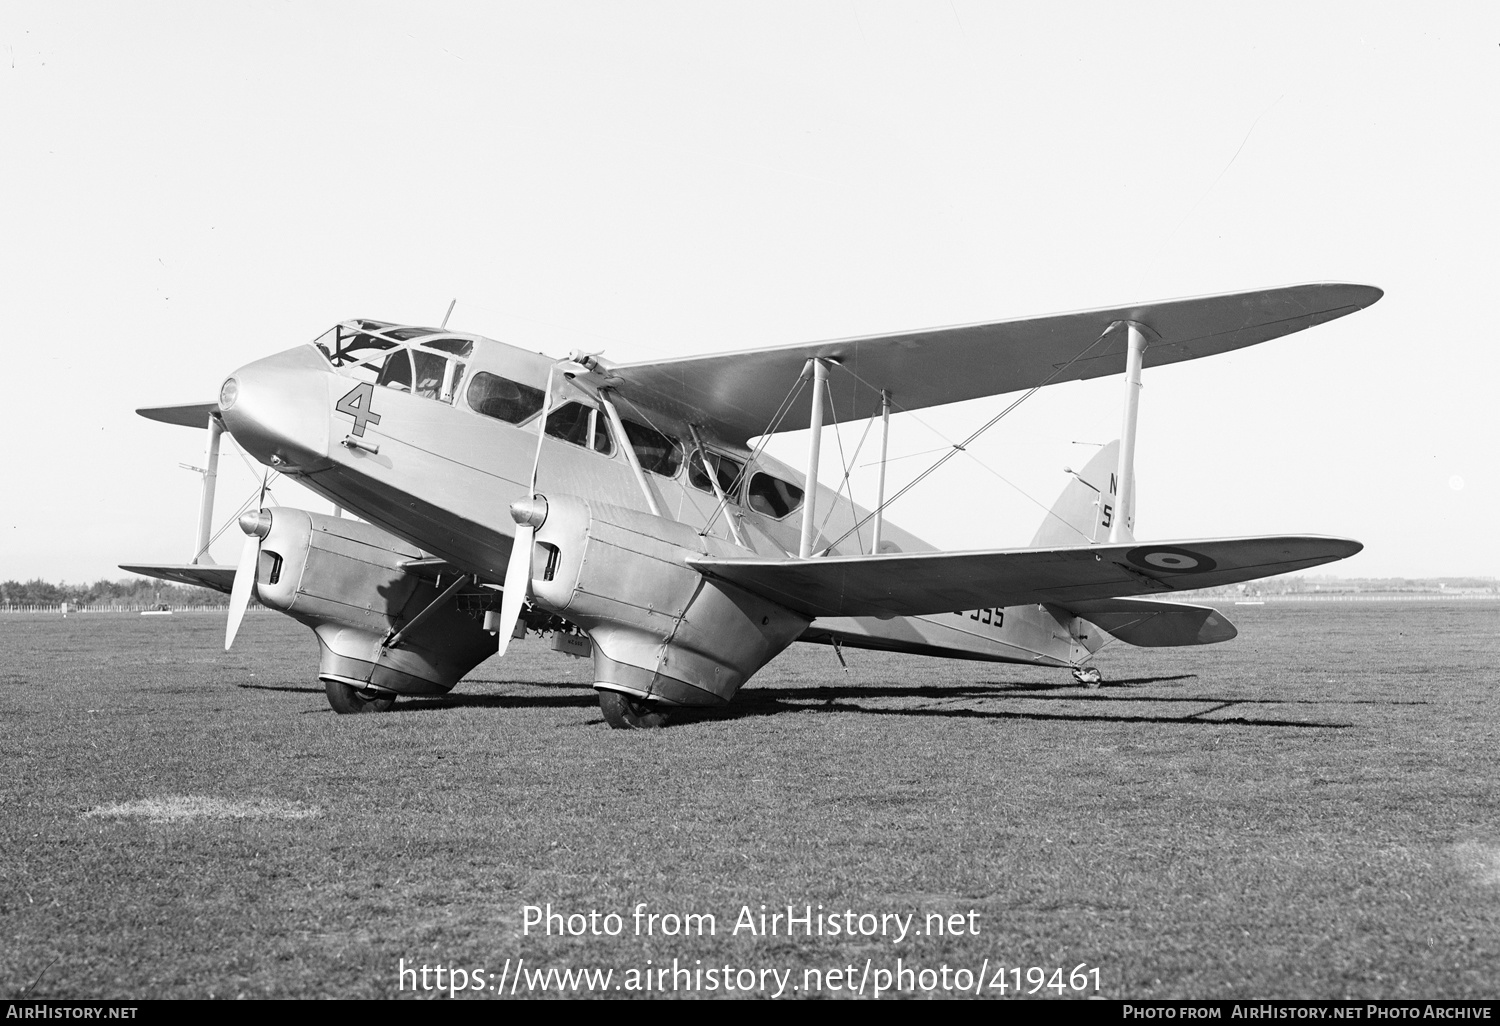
x=1171, y=559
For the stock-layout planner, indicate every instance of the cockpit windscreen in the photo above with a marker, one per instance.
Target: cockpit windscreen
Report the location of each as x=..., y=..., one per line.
x=423, y=361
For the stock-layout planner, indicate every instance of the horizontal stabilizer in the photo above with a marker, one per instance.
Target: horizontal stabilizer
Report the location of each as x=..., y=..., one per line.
x=187, y=414
x=916, y=583
x=1150, y=624
x=204, y=575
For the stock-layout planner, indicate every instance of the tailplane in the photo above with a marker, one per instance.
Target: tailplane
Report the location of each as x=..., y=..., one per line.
x=1086, y=510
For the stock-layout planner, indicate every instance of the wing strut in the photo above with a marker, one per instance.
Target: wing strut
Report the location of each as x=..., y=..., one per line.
x=885, y=438
x=210, y=474
x=814, y=443
x=630, y=457
x=1122, y=527
x=393, y=638
x=713, y=479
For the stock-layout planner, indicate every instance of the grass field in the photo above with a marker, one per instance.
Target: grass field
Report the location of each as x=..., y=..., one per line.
x=1309, y=811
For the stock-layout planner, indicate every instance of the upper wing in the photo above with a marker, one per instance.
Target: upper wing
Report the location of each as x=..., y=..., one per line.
x=736, y=395
x=914, y=583
x=205, y=575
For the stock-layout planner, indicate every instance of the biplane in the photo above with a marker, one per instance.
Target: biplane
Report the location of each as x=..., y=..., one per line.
x=630, y=509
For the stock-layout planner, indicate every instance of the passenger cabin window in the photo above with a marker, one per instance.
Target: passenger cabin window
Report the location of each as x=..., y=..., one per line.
x=502, y=398
x=773, y=496
x=728, y=472
x=658, y=453
x=577, y=423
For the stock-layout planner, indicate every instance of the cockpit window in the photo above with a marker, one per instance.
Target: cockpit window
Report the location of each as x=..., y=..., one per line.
x=360, y=353
x=432, y=369
x=728, y=472
x=382, y=354
x=773, y=496
x=576, y=423
x=658, y=453
x=461, y=347
x=502, y=398
x=396, y=371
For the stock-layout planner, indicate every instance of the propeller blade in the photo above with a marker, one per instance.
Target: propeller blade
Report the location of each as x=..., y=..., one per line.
x=244, y=587
x=256, y=524
x=517, y=584
x=518, y=570
x=541, y=434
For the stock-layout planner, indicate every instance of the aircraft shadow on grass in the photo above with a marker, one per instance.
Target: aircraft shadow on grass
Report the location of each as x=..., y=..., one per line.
x=853, y=699
x=281, y=687
x=581, y=698
x=847, y=700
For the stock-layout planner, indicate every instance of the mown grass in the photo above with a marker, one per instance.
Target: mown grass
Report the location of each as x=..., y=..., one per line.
x=1309, y=811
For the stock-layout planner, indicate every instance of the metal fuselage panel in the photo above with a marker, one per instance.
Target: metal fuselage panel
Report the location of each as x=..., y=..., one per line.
x=1031, y=635
x=442, y=477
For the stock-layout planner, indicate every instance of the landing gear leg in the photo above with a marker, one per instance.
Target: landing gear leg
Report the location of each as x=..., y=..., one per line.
x=623, y=712
x=347, y=699
x=1088, y=676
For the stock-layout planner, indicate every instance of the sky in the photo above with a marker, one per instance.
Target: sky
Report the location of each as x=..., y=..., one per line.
x=189, y=187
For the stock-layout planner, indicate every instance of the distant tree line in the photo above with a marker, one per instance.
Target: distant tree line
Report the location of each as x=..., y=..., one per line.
x=128, y=591
x=1328, y=585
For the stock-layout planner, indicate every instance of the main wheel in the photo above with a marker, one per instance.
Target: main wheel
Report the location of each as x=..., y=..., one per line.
x=347, y=699
x=625, y=713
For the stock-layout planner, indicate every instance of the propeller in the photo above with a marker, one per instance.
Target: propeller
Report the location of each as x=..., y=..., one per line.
x=256, y=524
x=528, y=514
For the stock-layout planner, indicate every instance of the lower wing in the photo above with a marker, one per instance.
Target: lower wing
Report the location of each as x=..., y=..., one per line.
x=914, y=583
x=205, y=575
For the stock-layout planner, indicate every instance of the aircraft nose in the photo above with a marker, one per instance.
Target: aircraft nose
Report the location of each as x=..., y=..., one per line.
x=277, y=409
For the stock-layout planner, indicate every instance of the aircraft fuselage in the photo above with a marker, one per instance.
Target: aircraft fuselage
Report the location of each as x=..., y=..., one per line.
x=433, y=438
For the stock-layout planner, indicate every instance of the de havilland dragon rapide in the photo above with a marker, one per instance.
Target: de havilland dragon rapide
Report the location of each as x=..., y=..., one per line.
x=630, y=510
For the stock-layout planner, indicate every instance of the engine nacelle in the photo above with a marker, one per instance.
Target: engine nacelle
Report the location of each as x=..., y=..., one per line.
x=660, y=629
x=345, y=580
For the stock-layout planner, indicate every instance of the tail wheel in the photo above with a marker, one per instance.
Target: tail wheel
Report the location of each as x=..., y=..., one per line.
x=625, y=713
x=346, y=699
x=1088, y=676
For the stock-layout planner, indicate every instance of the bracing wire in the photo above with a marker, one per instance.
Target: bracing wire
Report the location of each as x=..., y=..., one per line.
x=781, y=412
x=244, y=506
x=1023, y=493
x=962, y=446
x=847, y=464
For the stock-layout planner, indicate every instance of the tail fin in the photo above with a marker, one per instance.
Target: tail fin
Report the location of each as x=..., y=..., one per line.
x=1085, y=511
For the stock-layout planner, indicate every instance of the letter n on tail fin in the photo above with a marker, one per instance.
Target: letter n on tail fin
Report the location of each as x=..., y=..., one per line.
x=1086, y=510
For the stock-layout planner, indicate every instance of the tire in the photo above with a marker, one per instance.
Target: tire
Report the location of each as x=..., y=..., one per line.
x=1088, y=676
x=346, y=699
x=625, y=713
